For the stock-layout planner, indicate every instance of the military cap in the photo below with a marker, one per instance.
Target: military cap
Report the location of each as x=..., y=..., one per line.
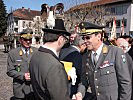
x=59, y=28
x=87, y=28
x=26, y=33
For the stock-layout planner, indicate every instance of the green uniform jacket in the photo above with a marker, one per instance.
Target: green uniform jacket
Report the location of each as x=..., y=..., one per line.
x=48, y=76
x=17, y=66
x=110, y=79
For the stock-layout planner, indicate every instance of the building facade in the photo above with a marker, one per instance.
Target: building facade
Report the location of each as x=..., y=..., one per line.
x=21, y=19
x=121, y=10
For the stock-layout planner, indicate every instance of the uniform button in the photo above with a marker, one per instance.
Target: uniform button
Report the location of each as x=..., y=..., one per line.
x=98, y=94
x=95, y=71
x=97, y=87
x=107, y=72
x=95, y=79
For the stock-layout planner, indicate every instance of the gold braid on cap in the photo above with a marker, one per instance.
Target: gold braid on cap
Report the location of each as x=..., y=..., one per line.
x=90, y=31
x=27, y=36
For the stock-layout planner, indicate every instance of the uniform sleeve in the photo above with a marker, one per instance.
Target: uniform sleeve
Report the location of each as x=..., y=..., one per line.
x=57, y=83
x=123, y=76
x=11, y=70
x=84, y=81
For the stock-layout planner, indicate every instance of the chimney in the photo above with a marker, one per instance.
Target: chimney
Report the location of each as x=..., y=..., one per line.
x=28, y=9
x=22, y=8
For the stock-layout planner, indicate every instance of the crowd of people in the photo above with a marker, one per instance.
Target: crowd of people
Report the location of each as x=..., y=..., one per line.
x=103, y=71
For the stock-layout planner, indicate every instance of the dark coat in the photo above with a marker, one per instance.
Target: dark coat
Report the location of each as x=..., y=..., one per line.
x=17, y=66
x=71, y=54
x=48, y=76
x=110, y=79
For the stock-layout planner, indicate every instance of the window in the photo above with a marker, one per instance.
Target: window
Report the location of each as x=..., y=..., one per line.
x=29, y=24
x=16, y=30
x=112, y=10
x=118, y=23
x=23, y=24
x=119, y=10
x=125, y=22
x=16, y=22
x=117, y=34
x=125, y=7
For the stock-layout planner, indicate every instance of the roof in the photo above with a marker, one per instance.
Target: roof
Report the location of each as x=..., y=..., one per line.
x=96, y=3
x=26, y=14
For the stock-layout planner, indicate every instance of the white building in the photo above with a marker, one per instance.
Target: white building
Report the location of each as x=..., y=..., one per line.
x=21, y=19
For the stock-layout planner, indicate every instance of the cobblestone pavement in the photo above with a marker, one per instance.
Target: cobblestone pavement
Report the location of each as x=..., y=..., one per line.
x=5, y=81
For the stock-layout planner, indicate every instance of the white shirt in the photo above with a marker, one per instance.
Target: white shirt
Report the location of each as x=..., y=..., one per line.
x=51, y=50
x=23, y=49
x=76, y=48
x=98, y=52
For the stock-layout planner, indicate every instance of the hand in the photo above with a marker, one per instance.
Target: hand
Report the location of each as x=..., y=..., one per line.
x=27, y=76
x=78, y=96
x=74, y=97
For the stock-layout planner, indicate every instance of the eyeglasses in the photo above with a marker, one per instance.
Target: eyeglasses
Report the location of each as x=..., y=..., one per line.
x=66, y=39
x=86, y=37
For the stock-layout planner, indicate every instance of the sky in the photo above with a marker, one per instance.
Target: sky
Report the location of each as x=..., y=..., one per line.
x=36, y=4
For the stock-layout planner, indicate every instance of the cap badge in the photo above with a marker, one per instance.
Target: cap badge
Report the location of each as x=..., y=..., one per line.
x=83, y=30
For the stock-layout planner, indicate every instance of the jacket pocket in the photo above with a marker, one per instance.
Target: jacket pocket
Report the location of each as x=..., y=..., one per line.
x=108, y=76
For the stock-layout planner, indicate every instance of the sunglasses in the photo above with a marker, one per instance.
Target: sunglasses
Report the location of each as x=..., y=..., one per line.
x=27, y=39
x=86, y=37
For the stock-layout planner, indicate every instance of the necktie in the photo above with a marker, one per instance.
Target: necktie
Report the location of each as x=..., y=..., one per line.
x=94, y=59
x=26, y=52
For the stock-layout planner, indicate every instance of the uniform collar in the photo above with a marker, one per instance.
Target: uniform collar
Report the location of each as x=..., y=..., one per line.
x=54, y=51
x=24, y=50
x=99, y=50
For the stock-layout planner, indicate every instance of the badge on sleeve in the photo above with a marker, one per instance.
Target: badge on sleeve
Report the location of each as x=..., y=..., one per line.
x=123, y=58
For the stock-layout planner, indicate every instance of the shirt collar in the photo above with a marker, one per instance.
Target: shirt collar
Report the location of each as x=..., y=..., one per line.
x=98, y=50
x=23, y=49
x=76, y=48
x=54, y=51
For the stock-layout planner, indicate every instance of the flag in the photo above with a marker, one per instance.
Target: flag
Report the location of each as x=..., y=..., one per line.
x=122, y=27
x=113, y=31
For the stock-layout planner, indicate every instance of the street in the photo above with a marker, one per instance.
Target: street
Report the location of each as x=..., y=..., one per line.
x=5, y=81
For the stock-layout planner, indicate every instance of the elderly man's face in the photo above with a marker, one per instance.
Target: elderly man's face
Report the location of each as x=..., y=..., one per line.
x=26, y=42
x=91, y=41
x=123, y=44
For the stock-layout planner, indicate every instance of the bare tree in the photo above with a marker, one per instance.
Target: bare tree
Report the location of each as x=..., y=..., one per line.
x=91, y=12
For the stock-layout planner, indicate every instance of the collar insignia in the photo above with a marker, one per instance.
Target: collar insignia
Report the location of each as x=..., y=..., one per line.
x=105, y=49
x=20, y=52
x=31, y=50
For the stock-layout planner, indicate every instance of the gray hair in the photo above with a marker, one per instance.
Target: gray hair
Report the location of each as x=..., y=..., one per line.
x=78, y=40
